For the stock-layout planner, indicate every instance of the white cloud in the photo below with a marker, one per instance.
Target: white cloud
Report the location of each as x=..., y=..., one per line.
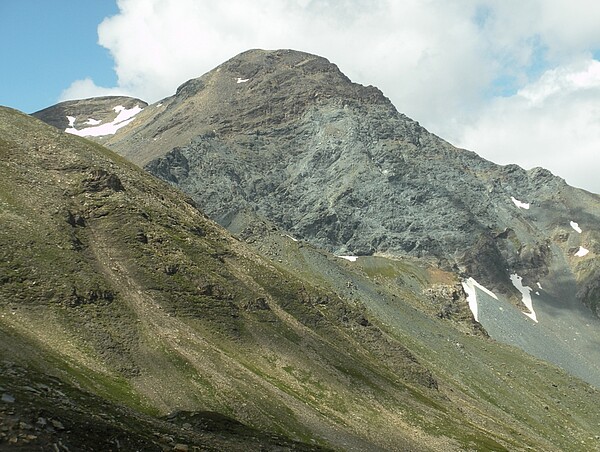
x=82, y=89
x=554, y=121
x=438, y=61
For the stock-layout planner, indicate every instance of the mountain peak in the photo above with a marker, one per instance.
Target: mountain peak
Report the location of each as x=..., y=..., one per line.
x=293, y=63
x=273, y=71
x=296, y=160
x=258, y=92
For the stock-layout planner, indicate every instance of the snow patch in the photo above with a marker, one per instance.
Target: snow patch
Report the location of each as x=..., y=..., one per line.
x=349, y=258
x=469, y=286
x=93, y=122
x=540, y=286
x=576, y=227
x=124, y=117
x=517, y=281
x=519, y=204
x=582, y=251
x=242, y=80
x=287, y=235
x=125, y=114
x=469, y=289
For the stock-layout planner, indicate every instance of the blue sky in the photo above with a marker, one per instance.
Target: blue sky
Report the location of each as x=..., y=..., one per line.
x=47, y=45
x=517, y=81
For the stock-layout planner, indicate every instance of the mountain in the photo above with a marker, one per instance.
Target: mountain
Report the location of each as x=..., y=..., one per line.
x=284, y=137
x=99, y=117
x=129, y=320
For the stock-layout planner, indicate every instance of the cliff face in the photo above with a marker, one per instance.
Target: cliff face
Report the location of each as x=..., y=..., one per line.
x=287, y=136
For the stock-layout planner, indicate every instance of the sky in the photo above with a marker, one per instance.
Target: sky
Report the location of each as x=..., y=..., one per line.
x=517, y=81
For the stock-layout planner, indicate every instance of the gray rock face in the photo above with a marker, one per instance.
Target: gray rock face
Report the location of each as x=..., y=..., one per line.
x=334, y=163
x=287, y=136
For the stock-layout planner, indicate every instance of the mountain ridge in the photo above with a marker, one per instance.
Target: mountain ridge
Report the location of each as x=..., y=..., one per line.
x=105, y=110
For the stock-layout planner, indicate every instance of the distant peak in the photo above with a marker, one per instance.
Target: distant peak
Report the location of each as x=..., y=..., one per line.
x=282, y=73
x=285, y=57
x=93, y=116
x=99, y=100
x=252, y=63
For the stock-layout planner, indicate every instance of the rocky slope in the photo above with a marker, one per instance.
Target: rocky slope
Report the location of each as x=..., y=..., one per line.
x=286, y=135
x=127, y=314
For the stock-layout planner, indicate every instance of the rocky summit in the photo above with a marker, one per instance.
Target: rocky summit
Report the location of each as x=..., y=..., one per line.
x=370, y=263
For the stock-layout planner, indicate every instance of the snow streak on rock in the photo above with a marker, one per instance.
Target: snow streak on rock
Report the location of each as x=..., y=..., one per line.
x=517, y=281
x=469, y=286
x=519, y=204
x=349, y=258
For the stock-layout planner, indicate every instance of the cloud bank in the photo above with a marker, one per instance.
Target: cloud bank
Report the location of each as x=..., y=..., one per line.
x=515, y=81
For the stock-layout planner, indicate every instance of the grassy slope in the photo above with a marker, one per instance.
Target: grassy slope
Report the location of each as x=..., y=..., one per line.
x=511, y=397
x=114, y=283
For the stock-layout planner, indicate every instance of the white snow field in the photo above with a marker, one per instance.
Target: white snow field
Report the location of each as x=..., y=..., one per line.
x=124, y=117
